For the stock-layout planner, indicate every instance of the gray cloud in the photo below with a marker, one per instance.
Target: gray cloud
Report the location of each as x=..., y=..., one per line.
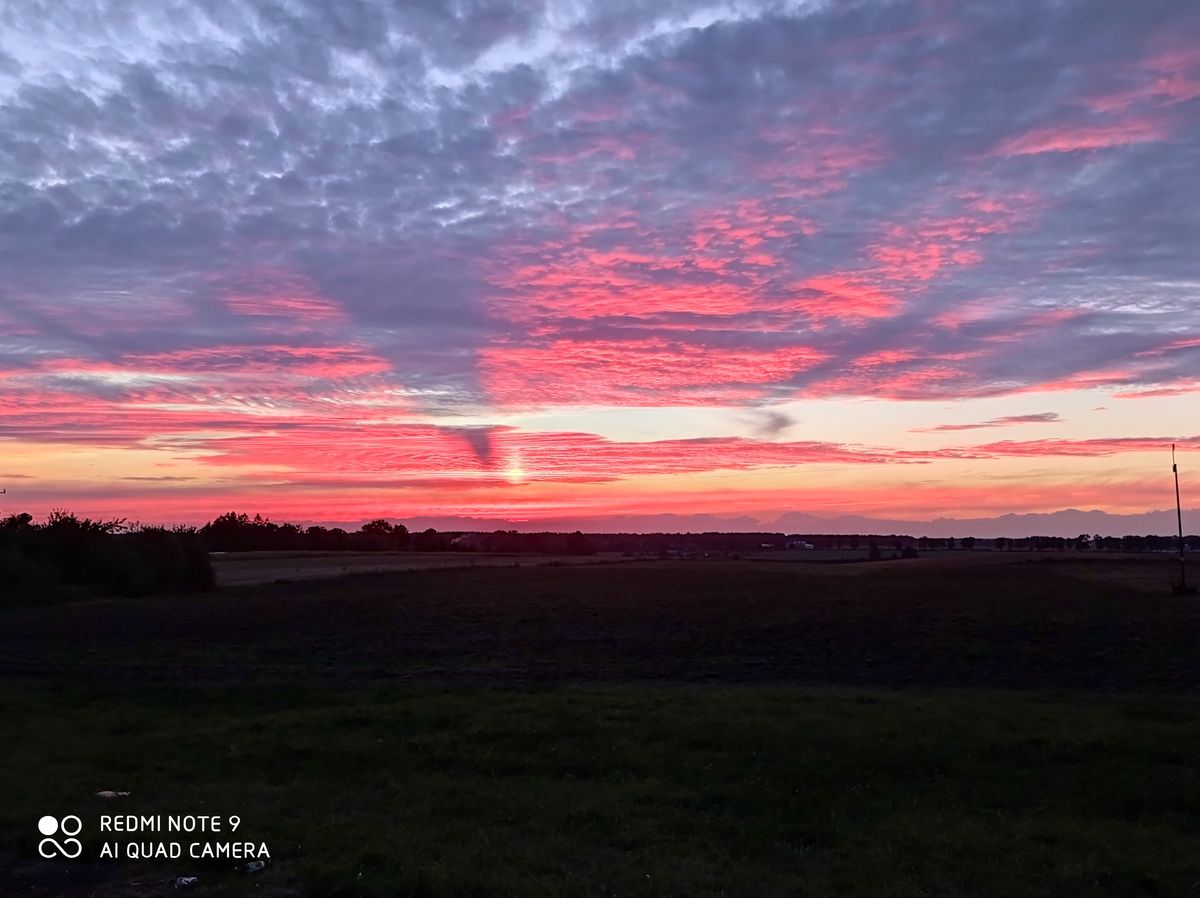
x=768, y=423
x=410, y=165
x=1005, y=421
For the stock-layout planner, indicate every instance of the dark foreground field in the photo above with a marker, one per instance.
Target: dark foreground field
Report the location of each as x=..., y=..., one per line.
x=676, y=728
x=1011, y=622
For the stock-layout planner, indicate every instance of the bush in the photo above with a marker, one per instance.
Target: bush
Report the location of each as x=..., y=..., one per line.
x=69, y=556
x=177, y=559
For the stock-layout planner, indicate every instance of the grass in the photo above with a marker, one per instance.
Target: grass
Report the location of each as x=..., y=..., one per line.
x=632, y=790
x=646, y=729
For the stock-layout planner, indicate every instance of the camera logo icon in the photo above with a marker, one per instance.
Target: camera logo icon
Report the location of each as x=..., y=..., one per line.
x=69, y=827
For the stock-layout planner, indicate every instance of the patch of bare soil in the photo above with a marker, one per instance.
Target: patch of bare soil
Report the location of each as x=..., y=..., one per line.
x=1005, y=622
x=254, y=568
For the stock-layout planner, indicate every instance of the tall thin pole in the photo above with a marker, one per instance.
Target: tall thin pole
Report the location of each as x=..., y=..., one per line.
x=1179, y=521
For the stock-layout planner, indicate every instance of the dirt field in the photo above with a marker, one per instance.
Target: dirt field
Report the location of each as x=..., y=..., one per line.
x=252, y=568
x=995, y=620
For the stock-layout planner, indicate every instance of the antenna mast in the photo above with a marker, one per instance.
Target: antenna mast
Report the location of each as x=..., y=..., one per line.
x=1179, y=520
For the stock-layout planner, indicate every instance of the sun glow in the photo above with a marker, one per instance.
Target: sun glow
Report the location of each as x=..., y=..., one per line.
x=515, y=473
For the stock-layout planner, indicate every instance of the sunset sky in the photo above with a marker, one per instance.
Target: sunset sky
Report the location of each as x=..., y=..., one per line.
x=330, y=261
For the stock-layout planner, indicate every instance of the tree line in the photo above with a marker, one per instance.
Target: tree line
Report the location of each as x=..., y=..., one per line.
x=233, y=532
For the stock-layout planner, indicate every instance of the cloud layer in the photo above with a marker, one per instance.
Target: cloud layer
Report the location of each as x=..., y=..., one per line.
x=295, y=233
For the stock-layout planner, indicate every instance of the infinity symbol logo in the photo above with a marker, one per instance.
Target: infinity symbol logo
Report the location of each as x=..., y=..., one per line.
x=68, y=826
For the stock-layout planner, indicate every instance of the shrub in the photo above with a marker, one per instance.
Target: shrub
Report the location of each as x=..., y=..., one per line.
x=69, y=556
x=177, y=560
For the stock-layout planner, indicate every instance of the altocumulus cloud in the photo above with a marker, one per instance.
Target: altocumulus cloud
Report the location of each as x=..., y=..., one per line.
x=271, y=217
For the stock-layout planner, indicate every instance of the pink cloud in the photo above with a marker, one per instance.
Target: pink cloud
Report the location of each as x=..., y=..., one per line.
x=326, y=362
x=636, y=372
x=283, y=297
x=920, y=251
x=847, y=297
x=1071, y=139
x=1170, y=75
x=1172, y=346
x=1182, y=388
x=1083, y=380
x=1087, y=448
x=926, y=378
x=813, y=159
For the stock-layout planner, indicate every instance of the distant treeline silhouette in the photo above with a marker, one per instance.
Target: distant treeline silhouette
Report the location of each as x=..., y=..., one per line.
x=235, y=532
x=72, y=557
x=875, y=543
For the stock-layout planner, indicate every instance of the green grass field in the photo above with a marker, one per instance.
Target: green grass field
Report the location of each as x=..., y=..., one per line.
x=469, y=765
